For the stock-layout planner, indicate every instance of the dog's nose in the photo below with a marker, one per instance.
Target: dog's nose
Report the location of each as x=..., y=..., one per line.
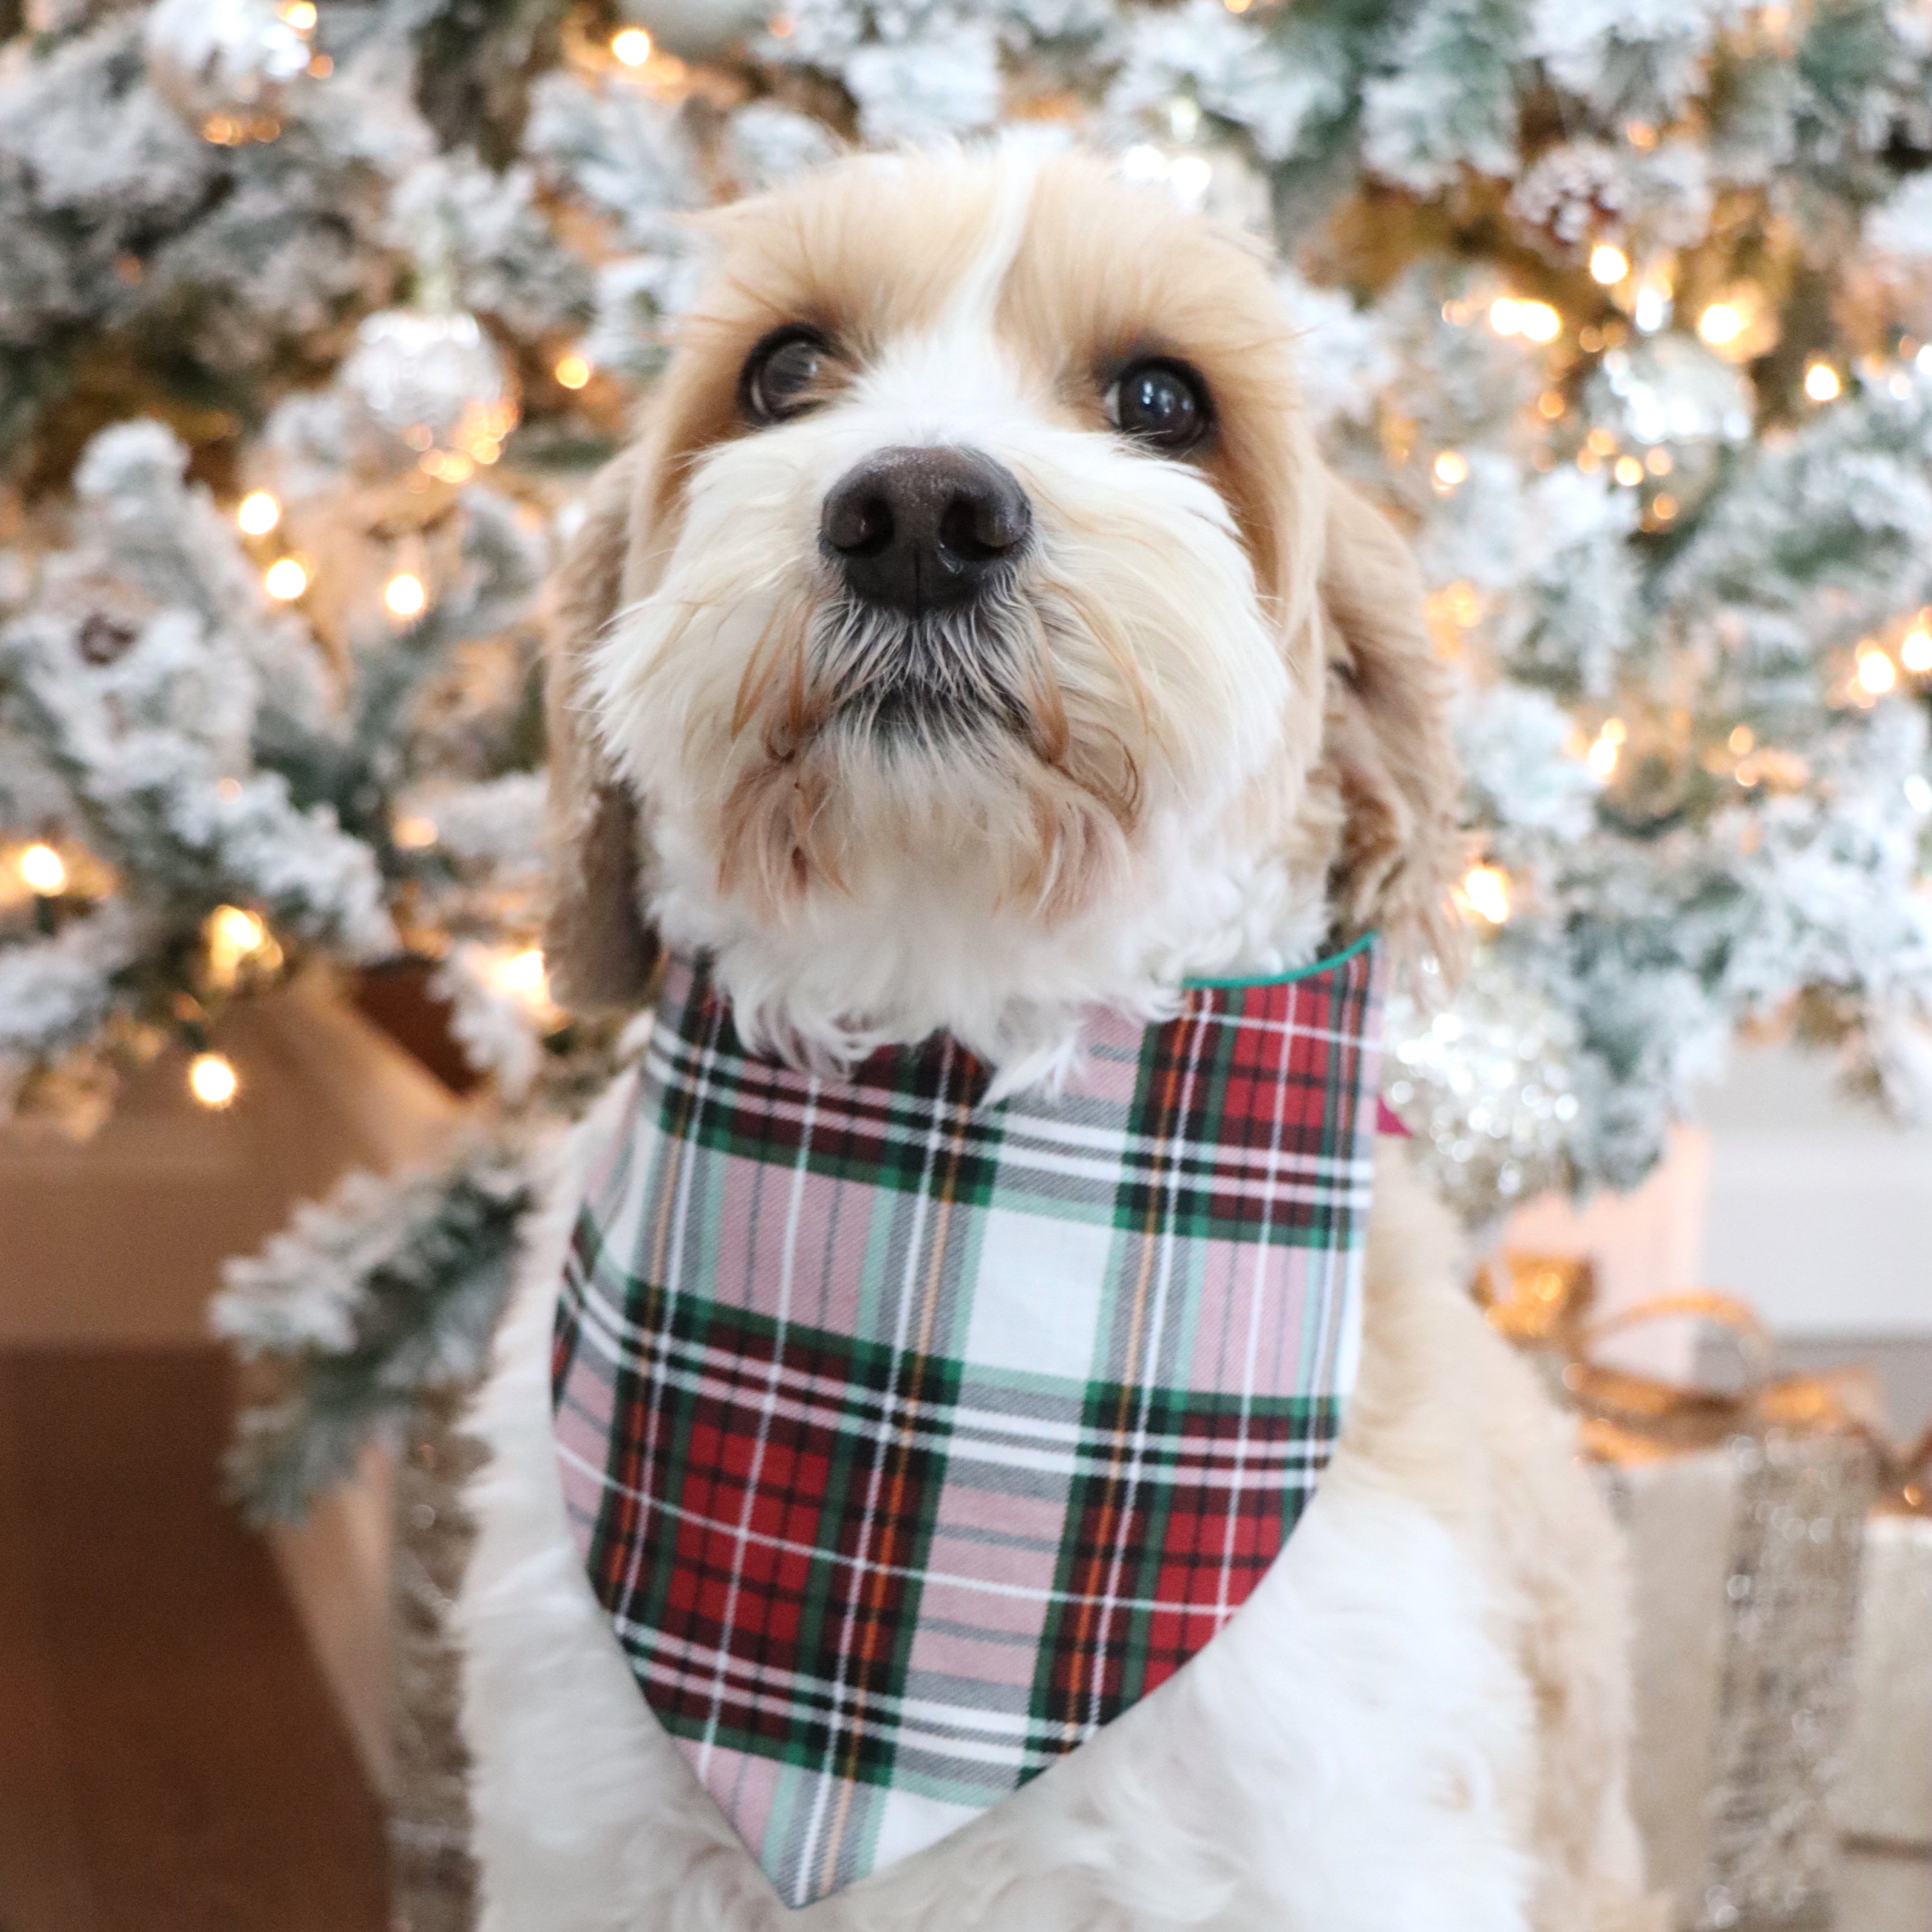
x=920, y=530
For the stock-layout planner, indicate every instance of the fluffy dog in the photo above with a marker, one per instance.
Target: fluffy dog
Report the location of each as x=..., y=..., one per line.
x=975, y=638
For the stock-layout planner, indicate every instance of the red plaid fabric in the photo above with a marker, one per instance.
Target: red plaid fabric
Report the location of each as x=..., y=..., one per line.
x=908, y=1439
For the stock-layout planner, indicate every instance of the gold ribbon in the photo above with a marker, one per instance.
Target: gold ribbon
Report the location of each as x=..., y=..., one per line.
x=1626, y=1417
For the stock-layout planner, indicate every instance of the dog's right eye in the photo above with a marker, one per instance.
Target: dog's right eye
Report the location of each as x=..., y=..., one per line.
x=780, y=374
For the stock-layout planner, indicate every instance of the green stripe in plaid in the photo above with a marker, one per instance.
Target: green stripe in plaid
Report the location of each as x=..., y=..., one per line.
x=908, y=1439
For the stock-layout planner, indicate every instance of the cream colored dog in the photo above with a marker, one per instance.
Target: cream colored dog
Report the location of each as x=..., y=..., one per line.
x=975, y=637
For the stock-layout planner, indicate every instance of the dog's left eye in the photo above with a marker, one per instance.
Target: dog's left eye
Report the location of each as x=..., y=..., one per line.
x=1161, y=404
x=780, y=372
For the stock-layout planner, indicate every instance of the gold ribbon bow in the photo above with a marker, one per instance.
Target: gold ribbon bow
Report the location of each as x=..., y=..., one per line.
x=1542, y=1301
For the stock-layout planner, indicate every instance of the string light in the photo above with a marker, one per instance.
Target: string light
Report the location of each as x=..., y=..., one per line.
x=1720, y=323
x=1188, y=176
x=572, y=371
x=412, y=832
x=43, y=872
x=1821, y=383
x=300, y=14
x=1550, y=405
x=1741, y=740
x=1915, y=650
x=1918, y=795
x=1535, y=320
x=1876, y=672
x=236, y=929
x=233, y=935
x=405, y=595
x=1658, y=461
x=1608, y=264
x=1450, y=469
x=522, y=974
x=1629, y=472
x=1539, y=322
x=632, y=47
x=1486, y=890
x=1602, y=756
x=1663, y=506
x=212, y=1080
x=286, y=579
x=257, y=513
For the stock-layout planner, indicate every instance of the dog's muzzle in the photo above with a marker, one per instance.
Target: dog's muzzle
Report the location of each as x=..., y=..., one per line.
x=919, y=530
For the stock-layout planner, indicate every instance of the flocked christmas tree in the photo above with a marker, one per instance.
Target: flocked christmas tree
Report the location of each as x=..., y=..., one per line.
x=315, y=317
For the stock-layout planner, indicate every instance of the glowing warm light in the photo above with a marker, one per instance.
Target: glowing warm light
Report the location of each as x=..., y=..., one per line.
x=1741, y=740
x=212, y=1080
x=1615, y=730
x=1188, y=176
x=1658, y=462
x=1915, y=650
x=1720, y=323
x=1451, y=469
x=414, y=833
x=1602, y=441
x=1506, y=315
x=1918, y=795
x=523, y=972
x=1629, y=472
x=1663, y=506
x=1640, y=134
x=1877, y=673
x=522, y=976
x=257, y=513
x=1608, y=264
x=405, y=595
x=236, y=929
x=43, y=870
x=1486, y=888
x=1538, y=321
x=572, y=371
x=1602, y=757
x=234, y=934
x=1549, y=405
x=632, y=47
x=300, y=14
x=286, y=579
x=1821, y=383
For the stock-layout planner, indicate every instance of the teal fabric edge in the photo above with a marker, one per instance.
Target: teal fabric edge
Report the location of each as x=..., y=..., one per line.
x=1334, y=959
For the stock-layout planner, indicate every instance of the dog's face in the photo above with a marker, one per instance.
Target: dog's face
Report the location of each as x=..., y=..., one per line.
x=974, y=553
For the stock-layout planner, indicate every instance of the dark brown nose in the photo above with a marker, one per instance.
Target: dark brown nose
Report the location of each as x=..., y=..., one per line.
x=921, y=529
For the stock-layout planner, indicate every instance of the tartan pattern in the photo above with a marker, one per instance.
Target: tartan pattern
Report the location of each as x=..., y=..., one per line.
x=908, y=1439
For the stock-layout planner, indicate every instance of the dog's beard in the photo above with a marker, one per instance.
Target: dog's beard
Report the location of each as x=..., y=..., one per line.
x=953, y=743
x=931, y=685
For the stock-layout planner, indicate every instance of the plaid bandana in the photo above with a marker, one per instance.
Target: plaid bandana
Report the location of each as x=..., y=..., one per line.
x=907, y=1440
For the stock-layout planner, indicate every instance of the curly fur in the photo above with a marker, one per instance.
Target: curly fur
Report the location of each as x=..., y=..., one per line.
x=1201, y=729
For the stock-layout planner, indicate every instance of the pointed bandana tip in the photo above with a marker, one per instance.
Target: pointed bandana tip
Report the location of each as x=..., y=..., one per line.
x=908, y=1441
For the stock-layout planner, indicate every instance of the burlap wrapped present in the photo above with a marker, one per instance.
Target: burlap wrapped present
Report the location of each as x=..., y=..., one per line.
x=1744, y=1509
x=1885, y=1797
x=432, y=1881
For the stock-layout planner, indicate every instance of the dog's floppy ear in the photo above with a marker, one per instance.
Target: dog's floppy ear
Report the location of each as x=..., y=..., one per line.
x=1386, y=739
x=597, y=950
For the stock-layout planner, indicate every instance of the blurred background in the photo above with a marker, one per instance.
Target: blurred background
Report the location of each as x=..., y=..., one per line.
x=316, y=315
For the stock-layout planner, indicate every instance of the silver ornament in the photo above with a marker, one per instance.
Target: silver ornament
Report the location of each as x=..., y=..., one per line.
x=428, y=387
x=227, y=67
x=1485, y=1083
x=1668, y=392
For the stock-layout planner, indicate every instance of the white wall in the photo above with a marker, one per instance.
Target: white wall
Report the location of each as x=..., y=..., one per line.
x=1819, y=1209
